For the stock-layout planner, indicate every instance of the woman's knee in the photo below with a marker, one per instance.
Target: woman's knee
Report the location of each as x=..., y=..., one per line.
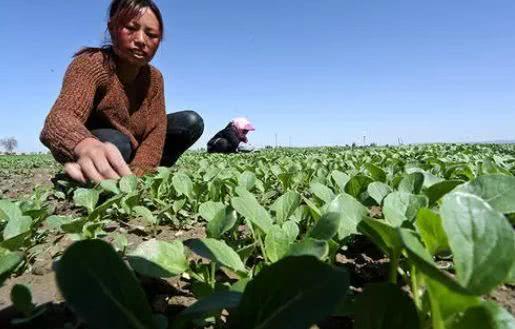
x=113, y=136
x=189, y=121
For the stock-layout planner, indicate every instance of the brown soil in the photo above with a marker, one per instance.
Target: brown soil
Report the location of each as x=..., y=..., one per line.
x=505, y=296
x=19, y=185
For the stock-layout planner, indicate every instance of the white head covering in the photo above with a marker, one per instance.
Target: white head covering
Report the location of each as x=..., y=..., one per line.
x=242, y=124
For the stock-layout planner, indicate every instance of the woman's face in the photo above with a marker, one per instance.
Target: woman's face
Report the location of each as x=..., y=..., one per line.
x=137, y=41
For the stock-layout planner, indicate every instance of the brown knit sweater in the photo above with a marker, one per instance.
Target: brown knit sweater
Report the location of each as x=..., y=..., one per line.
x=93, y=97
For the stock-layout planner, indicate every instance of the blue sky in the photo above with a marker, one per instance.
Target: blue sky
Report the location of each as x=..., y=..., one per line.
x=313, y=72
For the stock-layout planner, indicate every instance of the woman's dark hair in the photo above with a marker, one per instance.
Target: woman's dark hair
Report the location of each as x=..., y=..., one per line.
x=120, y=13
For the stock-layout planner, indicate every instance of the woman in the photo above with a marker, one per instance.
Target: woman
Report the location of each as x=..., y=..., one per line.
x=109, y=119
x=228, y=139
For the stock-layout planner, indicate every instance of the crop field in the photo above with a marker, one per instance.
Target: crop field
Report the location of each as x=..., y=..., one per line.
x=408, y=237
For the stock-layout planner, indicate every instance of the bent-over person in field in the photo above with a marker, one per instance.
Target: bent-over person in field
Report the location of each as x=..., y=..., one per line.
x=228, y=139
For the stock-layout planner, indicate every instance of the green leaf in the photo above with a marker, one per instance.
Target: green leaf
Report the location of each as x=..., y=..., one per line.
x=211, y=305
x=90, y=273
x=223, y=222
x=429, y=179
x=326, y=227
x=129, y=201
x=412, y=183
x=511, y=277
x=385, y=306
x=277, y=243
x=422, y=259
x=86, y=198
x=110, y=185
x=128, y=184
x=247, y=180
x=159, y=259
x=54, y=222
x=102, y=209
x=438, y=190
x=322, y=192
x=357, y=185
x=211, y=173
x=8, y=262
x=183, y=184
x=120, y=242
x=487, y=315
x=208, y=210
x=481, y=240
x=17, y=226
x=239, y=286
x=146, y=214
x=400, y=207
x=285, y=206
x=376, y=173
x=21, y=298
x=351, y=212
x=249, y=208
x=92, y=230
x=383, y=235
x=429, y=225
x=278, y=297
x=309, y=247
x=214, y=188
x=9, y=210
x=75, y=226
x=217, y=251
x=16, y=242
x=496, y=190
x=178, y=205
x=242, y=192
x=378, y=191
x=446, y=302
x=313, y=209
x=340, y=179
x=292, y=230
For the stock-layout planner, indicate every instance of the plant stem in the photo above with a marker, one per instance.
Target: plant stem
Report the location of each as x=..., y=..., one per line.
x=416, y=295
x=262, y=246
x=394, y=263
x=257, y=237
x=414, y=287
x=213, y=275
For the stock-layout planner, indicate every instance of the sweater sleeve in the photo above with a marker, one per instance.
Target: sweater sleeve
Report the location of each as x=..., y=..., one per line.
x=65, y=124
x=149, y=152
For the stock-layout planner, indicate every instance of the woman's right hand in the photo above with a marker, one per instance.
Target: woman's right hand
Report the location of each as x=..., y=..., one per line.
x=96, y=161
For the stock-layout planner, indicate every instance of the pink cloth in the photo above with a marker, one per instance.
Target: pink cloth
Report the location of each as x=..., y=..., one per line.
x=242, y=126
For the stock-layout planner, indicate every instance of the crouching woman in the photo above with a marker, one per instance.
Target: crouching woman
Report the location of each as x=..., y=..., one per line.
x=109, y=119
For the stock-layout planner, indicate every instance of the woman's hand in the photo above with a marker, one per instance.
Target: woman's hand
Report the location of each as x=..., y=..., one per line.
x=96, y=161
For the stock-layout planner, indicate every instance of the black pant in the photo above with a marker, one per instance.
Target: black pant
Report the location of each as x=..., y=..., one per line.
x=221, y=145
x=183, y=130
